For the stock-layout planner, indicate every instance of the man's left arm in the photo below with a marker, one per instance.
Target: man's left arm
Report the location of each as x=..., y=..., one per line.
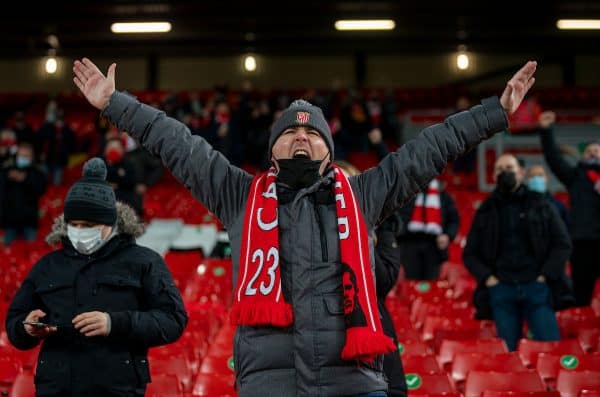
x=402, y=173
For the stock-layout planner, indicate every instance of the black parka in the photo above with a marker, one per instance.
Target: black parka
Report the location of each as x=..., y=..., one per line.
x=129, y=282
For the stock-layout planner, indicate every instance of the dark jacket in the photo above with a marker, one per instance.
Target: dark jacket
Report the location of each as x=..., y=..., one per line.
x=547, y=238
x=387, y=269
x=124, y=176
x=129, y=282
x=19, y=201
x=305, y=358
x=56, y=144
x=585, y=201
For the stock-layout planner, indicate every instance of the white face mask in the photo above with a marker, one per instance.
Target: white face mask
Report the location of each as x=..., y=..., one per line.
x=86, y=240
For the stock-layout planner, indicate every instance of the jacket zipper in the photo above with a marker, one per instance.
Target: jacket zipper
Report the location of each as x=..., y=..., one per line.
x=324, y=254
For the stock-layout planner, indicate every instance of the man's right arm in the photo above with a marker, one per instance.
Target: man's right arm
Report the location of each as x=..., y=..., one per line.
x=21, y=305
x=217, y=184
x=563, y=170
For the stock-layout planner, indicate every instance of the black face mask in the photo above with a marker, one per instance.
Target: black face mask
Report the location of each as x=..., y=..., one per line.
x=298, y=173
x=506, y=181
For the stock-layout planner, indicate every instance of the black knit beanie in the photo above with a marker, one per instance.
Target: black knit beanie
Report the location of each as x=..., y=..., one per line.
x=301, y=113
x=91, y=198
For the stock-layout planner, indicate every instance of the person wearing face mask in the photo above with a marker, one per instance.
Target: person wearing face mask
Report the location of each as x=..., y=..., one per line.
x=537, y=181
x=57, y=143
x=292, y=227
x=582, y=181
x=101, y=299
x=122, y=175
x=8, y=147
x=517, y=250
x=21, y=186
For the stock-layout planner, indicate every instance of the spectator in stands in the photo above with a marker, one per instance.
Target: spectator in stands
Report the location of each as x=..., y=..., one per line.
x=21, y=186
x=387, y=270
x=428, y=223
x=582, y=181
x=217, y=132
x=537, y=181
x=148, y=169
x=57, y=143
x=8, y=147
x=517, y=250
x=304, y=219
x=23, y=130
x=104, y=299
x=122, y=176
x=431, y=223
x=356, y=123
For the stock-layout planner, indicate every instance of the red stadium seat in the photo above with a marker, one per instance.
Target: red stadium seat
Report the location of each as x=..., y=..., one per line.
x=478, y=382
x=573, y=319
x=222, y=366
x=549, y=365
x=413, y=348
x=10, y=368
x=571, y=383
x=428, y=383
x=491, y=393
x=23, y=386
x=588, y=338
x=420, y=364
x=164, y=385
x=443, y=323
x=174, y=365
x=463, y=363
x=589, y=393
x=450, y=348
x=529, y=349
x=211, y=385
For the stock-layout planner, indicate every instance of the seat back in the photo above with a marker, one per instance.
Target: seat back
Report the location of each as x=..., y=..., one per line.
x=480, y=381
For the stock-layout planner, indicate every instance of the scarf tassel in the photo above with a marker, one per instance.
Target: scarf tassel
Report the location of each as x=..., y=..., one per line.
x=365, y=345
x=246, y=312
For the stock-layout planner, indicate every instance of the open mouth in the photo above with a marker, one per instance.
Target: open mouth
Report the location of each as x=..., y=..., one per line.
x=301, y=154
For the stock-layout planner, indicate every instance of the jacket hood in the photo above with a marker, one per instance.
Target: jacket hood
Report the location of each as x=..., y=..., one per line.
x=127, y=223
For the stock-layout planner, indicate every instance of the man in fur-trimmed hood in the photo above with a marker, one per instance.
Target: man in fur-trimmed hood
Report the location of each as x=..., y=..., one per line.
x=98, y=303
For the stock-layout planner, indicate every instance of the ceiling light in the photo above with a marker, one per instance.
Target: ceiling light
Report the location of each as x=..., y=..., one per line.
x=51, y=65
x=250, y=63
x=365, y=24
x=140, y=27
x=578, y=24
x=462, y=61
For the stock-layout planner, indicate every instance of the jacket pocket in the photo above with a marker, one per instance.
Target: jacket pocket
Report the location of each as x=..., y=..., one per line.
x=334, y=304
x=56, y=296
x=119, y=371
x=142, y=369
x=117, y=293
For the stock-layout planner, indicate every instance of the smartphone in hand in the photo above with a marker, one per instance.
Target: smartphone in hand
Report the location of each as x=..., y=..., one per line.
x=38, y=324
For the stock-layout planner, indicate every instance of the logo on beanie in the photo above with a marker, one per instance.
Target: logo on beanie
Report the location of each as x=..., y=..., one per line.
x=302, y=117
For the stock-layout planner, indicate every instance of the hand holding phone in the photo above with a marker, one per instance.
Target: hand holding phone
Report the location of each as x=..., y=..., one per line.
x=38, y=324
x=36, y=328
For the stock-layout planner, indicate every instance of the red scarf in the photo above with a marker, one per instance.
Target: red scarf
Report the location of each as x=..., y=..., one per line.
x=259, y=300
x=594, y=176
x=427, y=215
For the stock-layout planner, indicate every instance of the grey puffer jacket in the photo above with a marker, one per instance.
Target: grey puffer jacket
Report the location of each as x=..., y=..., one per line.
x=304, y=359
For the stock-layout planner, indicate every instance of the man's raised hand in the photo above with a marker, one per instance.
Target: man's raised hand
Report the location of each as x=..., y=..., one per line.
x=96, y=88
x=517, y=87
